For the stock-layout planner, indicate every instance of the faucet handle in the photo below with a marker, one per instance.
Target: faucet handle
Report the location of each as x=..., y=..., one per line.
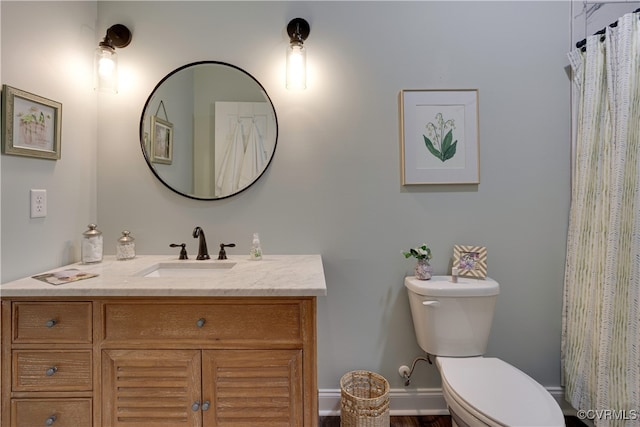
x=183, y=251
x=223, y=254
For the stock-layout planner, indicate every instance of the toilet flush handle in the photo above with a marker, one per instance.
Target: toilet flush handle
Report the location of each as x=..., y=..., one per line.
x=431, y=303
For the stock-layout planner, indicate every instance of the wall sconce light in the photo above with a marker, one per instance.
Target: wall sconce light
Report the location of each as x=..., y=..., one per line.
x=106, y=59
x=298, y=30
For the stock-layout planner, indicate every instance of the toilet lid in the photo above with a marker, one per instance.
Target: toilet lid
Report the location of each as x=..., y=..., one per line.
x=500, y=391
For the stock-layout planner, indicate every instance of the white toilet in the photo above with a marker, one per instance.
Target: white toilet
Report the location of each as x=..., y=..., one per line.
x=452, y=322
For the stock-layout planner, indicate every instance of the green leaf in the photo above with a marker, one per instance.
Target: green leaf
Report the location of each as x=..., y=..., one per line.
x=451, y=151
x=446, y=143
x=430, y=147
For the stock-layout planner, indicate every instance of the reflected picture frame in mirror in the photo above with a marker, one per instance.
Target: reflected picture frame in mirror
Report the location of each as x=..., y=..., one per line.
x=222, y=135
x=161, y=148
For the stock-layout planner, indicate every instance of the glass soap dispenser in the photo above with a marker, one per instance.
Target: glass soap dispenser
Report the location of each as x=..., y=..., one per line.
x=126, y=248
x=255, y=253
x=91, y=245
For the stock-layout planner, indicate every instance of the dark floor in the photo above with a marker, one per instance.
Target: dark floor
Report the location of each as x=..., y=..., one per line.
x=422, y=421
x=427, y=421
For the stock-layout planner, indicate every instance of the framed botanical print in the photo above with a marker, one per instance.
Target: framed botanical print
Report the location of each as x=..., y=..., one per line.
x=161, y=149
x=439, y=137
x=32, y=124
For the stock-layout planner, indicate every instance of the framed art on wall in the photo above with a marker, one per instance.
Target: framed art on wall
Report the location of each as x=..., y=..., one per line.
x=471, y=261
x=439, y=137
x=31, y=124
x=161, y=141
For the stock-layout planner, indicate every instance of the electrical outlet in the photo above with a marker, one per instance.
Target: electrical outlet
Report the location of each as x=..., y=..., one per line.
x=38, y=203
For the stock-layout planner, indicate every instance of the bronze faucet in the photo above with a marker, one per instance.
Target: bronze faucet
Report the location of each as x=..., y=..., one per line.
x=223, y=254
x=203, y=253
x=183, y=251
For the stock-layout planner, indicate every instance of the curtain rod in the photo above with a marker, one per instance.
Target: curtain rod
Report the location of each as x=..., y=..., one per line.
x=582, y=43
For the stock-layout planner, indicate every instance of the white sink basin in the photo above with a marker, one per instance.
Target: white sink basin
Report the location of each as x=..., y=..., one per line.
x=189, y=269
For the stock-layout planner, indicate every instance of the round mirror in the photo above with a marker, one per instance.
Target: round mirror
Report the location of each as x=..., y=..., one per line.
x=208, y=130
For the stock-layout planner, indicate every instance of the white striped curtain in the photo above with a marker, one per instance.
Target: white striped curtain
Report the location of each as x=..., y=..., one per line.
x=601, y=307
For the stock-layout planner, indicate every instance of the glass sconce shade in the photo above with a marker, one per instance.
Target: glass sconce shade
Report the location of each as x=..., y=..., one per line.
x=106, y=69
x=298, y=30
x=296, y=67
x=105, y=62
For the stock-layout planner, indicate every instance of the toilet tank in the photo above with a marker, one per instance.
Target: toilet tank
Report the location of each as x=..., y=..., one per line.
x=452, y=319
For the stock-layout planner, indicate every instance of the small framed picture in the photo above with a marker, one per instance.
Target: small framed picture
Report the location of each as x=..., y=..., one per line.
x=439, y=136
x=32, y=125
x=161, y=141
x=471, y=261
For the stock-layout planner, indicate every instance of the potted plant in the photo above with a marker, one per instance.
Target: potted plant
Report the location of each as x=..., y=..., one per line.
x=422, y=253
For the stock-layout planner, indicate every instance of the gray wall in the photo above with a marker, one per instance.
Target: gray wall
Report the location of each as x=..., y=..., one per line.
x=0, y=161
x=47, y=49
x=334, y=185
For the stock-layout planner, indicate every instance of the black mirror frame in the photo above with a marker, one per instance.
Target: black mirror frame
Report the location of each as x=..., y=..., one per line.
x=143, y=146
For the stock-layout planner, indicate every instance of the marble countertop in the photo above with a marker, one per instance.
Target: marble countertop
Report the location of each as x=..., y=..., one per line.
x=274, y=275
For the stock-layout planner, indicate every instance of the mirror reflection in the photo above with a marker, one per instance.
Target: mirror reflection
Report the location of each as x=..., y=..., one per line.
x=208, y=130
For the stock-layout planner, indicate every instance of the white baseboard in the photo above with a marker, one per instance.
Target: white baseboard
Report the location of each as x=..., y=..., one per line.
x=425, y=401
x=422, y=401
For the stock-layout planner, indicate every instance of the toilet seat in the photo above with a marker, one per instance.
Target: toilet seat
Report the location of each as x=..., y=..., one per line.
x=491, y=392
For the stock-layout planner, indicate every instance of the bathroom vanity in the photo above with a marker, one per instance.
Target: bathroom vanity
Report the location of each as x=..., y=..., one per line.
x=156, y=341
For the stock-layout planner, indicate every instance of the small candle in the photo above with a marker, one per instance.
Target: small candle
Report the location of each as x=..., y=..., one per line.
x=454, y=275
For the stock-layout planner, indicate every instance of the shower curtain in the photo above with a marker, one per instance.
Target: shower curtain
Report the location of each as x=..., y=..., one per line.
x=601, y=307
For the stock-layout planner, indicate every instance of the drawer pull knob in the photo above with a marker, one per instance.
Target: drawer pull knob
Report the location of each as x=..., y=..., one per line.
x=195, y=406
x=49, y=421
x=206, y=405
x=200, y=323
x=52, y=370
x=51, y=323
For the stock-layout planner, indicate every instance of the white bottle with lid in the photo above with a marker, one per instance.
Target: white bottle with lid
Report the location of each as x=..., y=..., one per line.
x=91, y=245
x=256, y=251
x=126, y=248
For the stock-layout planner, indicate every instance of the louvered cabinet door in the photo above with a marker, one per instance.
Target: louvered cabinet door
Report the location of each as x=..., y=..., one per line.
x=252, y=388
x=144, y=388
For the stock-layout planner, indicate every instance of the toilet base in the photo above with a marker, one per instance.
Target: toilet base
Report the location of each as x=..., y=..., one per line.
x=507, y=395
x=461, y=417
x=456, y=421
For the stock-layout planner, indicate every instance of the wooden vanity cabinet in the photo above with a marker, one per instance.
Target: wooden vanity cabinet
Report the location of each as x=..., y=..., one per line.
x=47, y=363
x=208, y=361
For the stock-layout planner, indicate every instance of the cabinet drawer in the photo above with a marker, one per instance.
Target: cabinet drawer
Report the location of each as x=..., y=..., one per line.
x=52, y=322
x=35, y=370
x=54, y=412
x=223, y=323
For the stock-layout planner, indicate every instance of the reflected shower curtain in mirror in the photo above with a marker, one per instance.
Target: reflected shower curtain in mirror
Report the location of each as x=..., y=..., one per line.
x=601, y=308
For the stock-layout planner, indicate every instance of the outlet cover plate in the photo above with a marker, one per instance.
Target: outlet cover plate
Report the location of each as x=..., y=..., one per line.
x=38, y=203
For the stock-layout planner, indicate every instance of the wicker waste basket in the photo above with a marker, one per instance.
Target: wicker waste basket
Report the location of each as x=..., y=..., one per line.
x=364, y=400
